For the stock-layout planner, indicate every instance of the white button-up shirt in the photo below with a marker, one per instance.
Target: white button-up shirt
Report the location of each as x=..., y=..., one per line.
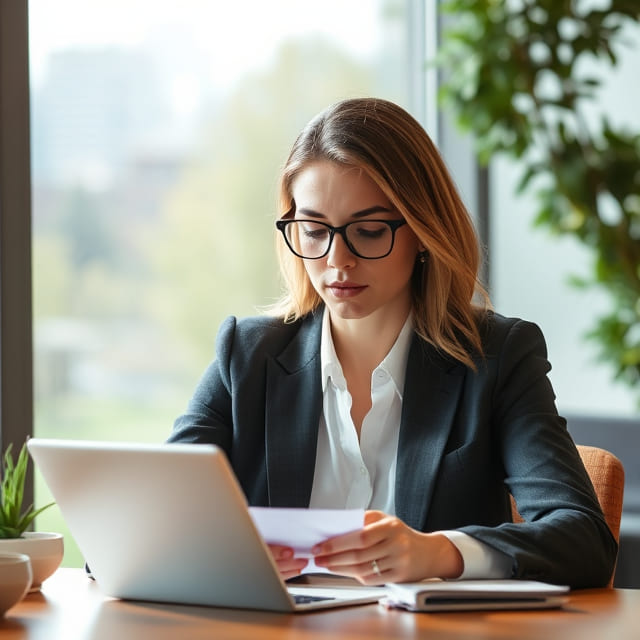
x=348, y=473
x=361, y=474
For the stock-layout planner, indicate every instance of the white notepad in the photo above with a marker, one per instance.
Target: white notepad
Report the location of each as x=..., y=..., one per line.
x=466, y=595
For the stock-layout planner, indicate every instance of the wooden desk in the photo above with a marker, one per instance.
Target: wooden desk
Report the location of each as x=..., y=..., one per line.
x=71, y=607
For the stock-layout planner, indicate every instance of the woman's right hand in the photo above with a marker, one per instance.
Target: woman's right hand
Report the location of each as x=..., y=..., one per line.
x=288, y=565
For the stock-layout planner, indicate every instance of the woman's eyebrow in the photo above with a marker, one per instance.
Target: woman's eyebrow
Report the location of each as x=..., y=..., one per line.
x=358, y=214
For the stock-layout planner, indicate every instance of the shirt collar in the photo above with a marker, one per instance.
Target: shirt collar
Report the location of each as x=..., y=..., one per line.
x=394, y=363
x=329, y=363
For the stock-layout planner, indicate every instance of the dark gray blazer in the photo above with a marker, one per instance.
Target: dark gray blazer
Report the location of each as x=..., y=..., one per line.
x=466, y=440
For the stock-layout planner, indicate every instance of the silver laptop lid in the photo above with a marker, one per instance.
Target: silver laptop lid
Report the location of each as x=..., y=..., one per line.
x=161, y=522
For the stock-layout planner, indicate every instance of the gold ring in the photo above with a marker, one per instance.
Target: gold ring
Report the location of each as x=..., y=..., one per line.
x=376, y=568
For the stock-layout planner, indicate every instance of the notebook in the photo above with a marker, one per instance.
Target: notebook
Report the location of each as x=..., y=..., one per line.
x=169, y=523
x=465, y=595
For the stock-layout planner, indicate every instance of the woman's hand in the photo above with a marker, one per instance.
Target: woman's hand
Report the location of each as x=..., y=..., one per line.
x=288, y=565
x=388, y=550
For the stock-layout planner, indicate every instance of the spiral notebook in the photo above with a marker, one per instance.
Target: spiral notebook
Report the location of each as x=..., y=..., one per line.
x=466, y=595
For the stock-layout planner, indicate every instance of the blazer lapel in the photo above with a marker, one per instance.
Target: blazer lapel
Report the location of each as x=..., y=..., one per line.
x=431, y=393
x=294, y=390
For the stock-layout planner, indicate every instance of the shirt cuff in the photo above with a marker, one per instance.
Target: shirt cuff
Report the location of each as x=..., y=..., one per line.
x=480, y=560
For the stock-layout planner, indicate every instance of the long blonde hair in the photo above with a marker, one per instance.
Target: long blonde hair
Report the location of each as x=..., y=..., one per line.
x=395, y=151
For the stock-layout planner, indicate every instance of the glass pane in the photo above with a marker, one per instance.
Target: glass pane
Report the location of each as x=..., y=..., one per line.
x=532, y=269
x=157, y=133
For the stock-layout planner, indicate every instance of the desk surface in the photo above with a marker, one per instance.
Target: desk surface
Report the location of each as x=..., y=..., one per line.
x=71, y=607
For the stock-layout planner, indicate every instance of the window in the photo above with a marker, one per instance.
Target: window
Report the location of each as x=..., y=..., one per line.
x=530, y=269
x=157, y=134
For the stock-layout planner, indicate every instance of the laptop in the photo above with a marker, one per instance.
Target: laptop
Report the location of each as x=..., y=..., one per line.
x=170, y=523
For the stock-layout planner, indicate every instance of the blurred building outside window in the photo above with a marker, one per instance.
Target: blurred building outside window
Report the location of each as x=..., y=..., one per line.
x=158, y=131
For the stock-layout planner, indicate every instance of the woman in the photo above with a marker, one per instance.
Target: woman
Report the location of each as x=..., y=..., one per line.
x=383, y=380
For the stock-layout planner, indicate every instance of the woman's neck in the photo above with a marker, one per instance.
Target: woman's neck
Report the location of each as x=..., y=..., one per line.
x=362, y=344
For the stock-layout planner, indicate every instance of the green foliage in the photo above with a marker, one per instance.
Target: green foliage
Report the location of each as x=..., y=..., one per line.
x=14, y=520
x=514, y=77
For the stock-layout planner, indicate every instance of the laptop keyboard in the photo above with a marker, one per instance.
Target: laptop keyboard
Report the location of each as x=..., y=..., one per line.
x=302, y=599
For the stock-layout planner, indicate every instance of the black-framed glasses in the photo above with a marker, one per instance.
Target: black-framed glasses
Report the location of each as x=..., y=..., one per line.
x=368, y=239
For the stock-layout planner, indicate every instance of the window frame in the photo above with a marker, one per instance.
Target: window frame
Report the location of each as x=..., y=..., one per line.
x=16, y=347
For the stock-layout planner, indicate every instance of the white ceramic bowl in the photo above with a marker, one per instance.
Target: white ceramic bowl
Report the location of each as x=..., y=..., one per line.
x=15, y=579
x=44, y=549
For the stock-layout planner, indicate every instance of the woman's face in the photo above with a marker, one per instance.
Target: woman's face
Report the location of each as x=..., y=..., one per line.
x=353, y=287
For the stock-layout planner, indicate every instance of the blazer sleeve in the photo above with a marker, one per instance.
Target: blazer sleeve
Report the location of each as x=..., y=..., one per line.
x=565, y=538
x=228, y=406
x=208, y=416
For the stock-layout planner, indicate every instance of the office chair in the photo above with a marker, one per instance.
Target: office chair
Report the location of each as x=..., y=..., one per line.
x=607, y=476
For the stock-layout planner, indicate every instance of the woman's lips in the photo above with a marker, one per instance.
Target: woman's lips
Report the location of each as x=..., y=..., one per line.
x=345, y=289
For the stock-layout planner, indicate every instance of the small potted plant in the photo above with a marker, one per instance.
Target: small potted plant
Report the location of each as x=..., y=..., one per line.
x=44, y=549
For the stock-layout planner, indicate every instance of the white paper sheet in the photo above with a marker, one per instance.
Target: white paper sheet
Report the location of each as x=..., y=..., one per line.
x=301, y=529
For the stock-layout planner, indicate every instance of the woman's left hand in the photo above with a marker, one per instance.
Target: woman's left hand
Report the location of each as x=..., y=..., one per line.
x=388, y=550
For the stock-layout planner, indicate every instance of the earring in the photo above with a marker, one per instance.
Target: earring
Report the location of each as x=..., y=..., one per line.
x=422, y=256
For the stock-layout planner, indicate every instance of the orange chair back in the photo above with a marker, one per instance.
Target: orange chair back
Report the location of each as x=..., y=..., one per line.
x=607, y=476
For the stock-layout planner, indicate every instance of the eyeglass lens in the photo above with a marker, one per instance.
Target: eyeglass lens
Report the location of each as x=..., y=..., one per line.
x=368, y=239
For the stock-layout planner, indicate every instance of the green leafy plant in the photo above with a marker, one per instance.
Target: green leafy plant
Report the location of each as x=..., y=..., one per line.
x=14, y=519
x=515, y=76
